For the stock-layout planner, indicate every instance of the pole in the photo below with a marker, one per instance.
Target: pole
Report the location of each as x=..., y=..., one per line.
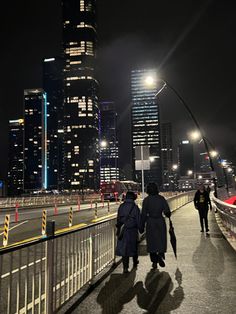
x=197, y=126
x=142, y=170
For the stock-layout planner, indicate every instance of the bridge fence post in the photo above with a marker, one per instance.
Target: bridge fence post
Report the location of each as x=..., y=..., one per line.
x=49, y=276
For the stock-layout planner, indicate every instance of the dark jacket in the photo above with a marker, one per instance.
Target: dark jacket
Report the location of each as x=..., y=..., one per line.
x=128, y=245
x=202, y=200
x=152, y=216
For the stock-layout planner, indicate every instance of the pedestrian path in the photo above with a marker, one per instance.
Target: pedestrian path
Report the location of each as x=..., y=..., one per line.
x=202, y=280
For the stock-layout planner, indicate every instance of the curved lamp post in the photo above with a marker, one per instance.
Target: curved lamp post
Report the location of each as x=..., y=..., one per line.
x=166, y=84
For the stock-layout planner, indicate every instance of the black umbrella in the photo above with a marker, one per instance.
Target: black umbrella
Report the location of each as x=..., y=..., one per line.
x=172, y=238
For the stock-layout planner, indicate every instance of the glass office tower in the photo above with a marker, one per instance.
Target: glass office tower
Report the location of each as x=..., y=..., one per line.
x=166, y=155
x=109, y=157
x=81, y=150
x=35, y=140
x=53, y=85
x=146, y=121
x=15, y=157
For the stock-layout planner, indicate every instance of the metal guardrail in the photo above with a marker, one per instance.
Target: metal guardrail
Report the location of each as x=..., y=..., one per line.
x=39, y=277
x=227, y=213
x=23, y=202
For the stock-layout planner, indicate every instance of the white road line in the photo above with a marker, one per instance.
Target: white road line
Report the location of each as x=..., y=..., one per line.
x=23, y=222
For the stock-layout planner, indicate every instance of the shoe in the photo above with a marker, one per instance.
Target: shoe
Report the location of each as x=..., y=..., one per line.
x=125, y=271
x=154, y=265
x=207, y=230
x=201, y=230
x=135, y=264
x=161, y=262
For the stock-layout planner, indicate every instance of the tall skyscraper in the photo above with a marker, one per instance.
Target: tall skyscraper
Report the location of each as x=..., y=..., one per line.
x=186, y=158
x=15, y=157
x=53, y=85
x=35, y=139
x=166, y=154
x=146, y=121
x=81, y=150
x=109, y=168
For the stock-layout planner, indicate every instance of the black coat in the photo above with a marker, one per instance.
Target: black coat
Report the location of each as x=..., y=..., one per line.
x=152, y=216
x=202, y=200
x=128, y=245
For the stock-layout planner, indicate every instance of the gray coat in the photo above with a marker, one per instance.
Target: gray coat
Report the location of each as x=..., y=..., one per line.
x=128, y=245
x=152, y=217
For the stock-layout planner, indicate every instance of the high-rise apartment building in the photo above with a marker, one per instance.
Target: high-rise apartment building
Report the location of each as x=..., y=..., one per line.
x=15, y=157
x=186, y=159
x=53, y=85
x=146, y=121
x=166, y=154
x=109, y=168
x=35, y=139
x=81, y=150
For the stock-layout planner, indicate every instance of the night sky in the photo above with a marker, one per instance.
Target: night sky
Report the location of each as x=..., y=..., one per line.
x=191, y=43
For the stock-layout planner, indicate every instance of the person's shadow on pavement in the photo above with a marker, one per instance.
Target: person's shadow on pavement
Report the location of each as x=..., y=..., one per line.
x=116, y=292
x=156, y=289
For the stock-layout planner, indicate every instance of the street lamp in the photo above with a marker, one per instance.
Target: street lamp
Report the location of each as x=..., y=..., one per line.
x=166, y=84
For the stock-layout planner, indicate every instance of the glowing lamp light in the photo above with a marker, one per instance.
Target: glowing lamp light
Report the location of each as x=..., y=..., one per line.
x=195, y=135
x=175, y=167
x=103, y=143
x=149, y=81
x=213, y=153
x=151, y=158
x=190, y=172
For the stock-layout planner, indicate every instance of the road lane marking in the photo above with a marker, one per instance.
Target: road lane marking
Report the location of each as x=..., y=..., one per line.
x=70, y=228
x=21, y=223
x=104, y=217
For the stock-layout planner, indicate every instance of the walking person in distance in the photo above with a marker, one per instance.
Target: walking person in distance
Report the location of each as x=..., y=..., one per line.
x=128, y=219
x=202, y=202
x=154, y=206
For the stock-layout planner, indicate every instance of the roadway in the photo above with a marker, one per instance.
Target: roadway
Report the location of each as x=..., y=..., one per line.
x=29, y=225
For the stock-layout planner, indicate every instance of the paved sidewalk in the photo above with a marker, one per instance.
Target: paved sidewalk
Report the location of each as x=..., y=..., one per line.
x=202, y=280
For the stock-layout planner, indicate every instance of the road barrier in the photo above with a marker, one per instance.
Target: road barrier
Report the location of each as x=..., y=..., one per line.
x=71, y=217
x=41, y=276
x=96, y=211
x=108, y=207
x=227, y=215
x=6, y=230
x=44, y=222
x=78, y=204
x=16, y=212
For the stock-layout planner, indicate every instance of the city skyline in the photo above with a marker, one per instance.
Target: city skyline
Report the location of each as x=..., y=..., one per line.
x=201, y=88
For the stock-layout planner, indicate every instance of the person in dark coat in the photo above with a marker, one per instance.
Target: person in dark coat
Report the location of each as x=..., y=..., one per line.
x=129, y=215
x=201, y=202
x=154, y=205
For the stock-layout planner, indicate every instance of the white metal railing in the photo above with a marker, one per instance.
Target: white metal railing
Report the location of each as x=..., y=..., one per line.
x=227, y=213
x=39, y=277
x=46, y=200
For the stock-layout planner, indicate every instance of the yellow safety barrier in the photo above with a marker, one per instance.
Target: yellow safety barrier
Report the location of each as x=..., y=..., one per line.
x=44, y=222
x=108, y=207
x=96, y=211
x=6, y=230
x=70, y=217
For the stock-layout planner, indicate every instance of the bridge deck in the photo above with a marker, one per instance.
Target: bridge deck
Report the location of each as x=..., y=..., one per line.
x=202, y=280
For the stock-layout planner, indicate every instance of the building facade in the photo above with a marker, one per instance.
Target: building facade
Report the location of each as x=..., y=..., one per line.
x=166, y=155
x=53, y=85
x=146, y=122
x=35, y=140
x=15, y=157
x=186, y=159
x=81, y=145
x=109, y=156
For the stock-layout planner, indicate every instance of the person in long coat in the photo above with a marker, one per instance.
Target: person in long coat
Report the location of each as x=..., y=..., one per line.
x=202, y=202
x=154, y=206
x=129, y=215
